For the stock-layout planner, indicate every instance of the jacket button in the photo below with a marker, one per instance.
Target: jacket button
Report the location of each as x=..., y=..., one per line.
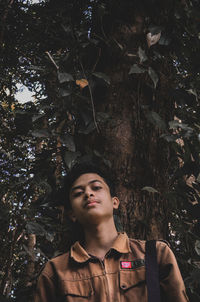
x=123, y=286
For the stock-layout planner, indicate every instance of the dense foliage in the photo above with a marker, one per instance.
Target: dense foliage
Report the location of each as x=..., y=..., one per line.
x=68, y=54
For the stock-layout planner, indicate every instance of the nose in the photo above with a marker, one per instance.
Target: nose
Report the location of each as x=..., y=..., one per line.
x=88, y=193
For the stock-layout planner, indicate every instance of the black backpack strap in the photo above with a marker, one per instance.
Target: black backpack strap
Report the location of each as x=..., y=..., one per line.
x=152, y=272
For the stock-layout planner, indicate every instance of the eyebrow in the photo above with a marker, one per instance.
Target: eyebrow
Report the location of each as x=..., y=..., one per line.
x=81, y=187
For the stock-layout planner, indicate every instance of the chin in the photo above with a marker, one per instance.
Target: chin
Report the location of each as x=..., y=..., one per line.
x=95, y=217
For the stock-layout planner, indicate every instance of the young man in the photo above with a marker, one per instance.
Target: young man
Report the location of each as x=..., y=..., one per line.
x=106, y=265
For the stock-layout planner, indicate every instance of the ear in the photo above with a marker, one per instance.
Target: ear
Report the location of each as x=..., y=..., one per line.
x=71, y=215
x=116, y=202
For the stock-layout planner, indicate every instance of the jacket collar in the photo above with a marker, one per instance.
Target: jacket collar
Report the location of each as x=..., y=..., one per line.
x=121, y=245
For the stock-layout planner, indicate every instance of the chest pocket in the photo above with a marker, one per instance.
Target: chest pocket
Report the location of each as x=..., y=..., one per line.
x=78, y=288
x=131, y=278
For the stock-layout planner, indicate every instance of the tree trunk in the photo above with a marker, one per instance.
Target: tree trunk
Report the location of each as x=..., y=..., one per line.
x=30, y=269
x=135, y=157
x=6, y=283
x=128, y=140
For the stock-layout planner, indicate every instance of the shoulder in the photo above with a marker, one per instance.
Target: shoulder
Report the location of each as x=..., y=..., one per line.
x=162, y=246
x=60, y=257
x=55, y=264
x=138, y=245
x=163, y=242
x=137, y=242
x=164, y=253
x=141, y=244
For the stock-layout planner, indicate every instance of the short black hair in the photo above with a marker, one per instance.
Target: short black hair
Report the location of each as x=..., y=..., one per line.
x=83, y=168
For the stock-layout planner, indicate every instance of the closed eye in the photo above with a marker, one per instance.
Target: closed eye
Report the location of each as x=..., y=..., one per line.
x=76, y=194
x=96, y=188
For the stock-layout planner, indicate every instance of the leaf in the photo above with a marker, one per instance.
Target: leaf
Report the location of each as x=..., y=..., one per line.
x=19, y=111
x=86, y=116
x=169, y=138
x=193, y=279
x=102, y=76
x=64, y=77
x=37, y=117
x=154, y=29
x=193, y=92
x=12, y=107
x=102, y=116
x=153, y=75
x=68, y=141
x=94, y=41
x=96, y=153
x=150, y=189
x=70, y=158
x=164, y=40
x=30, y=253
x=49, y=236
x=4, y=299
x=154, y=35
x=136, y=69
x=82, y=83
x=107, y=163
x=67, y=28
x=33, y=227
x=101, y=9
x=64, y=92
x=88, y=129
x=45, y=186
x=155, y=118
x=157, y=55
x=142, y=55
x=197, y=247
x=176, y=124
x=36, y=68
x=41, y=133
x=152, y=39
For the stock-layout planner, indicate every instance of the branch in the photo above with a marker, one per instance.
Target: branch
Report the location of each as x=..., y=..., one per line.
x=99, y=54
x=92, y=100
x=52, y=60
x=3, y=21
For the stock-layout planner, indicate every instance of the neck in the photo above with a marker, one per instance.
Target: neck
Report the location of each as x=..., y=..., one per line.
x=99, y=238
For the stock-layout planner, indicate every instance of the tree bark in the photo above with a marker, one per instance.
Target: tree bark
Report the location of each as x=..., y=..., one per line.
x=128, y=140
x=30, y=269
x=6, y=283
x=135, y=158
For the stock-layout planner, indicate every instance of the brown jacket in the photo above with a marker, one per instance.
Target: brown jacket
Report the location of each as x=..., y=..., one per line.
x=79, y=277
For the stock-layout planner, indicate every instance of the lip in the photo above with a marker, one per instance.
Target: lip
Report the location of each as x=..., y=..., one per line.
x=90, y=203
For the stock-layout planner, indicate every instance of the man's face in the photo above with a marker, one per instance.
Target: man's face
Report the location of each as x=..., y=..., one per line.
x=90, y=199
